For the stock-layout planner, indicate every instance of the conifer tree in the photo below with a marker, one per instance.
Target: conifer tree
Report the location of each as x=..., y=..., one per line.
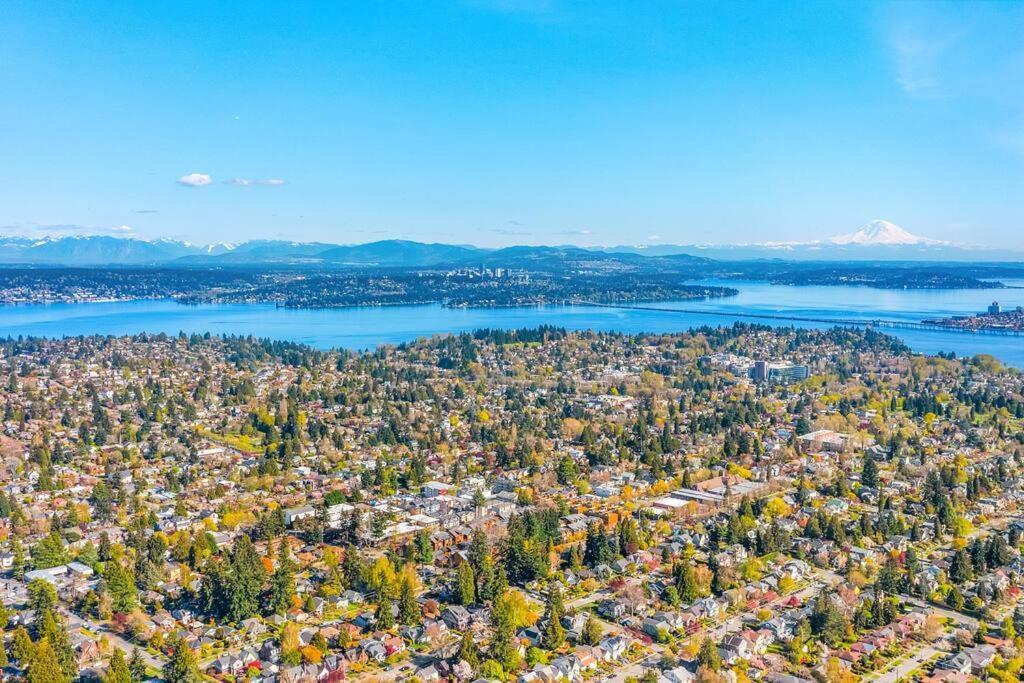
x=182, y=666
x=42, y=665
x=282, y=582
x=118, y=671
x=554, y=632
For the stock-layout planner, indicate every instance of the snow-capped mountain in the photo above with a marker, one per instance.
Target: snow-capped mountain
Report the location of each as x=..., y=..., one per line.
x=880, y=233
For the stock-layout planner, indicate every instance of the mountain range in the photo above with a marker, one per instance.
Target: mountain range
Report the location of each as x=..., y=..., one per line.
x=879, y=240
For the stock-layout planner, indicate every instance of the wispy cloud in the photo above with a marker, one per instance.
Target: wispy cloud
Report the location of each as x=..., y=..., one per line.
x=964, y=52
x=255, y=182
x=511, y=232
x=195, y=180
x=147, y=211
x=36, y=231
x=918, y=55
x=653, y=238
x=581, y=231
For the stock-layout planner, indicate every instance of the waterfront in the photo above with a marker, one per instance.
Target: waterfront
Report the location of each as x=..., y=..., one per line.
x=366, y=327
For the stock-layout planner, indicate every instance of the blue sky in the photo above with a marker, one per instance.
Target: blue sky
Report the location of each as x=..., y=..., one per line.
x=512, y=121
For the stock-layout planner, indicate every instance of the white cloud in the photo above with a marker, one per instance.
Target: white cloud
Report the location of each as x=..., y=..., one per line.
x=249, y=182
x=653, y=238
x=195, y=180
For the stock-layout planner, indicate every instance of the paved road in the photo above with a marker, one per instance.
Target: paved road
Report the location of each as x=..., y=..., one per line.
x=114, y=638
x=962, y=619
x=900, y=672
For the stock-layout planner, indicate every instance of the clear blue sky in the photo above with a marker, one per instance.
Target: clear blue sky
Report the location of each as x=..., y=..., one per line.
x=512, y=121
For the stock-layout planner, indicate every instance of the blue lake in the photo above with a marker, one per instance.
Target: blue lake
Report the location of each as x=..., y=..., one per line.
x=366, y=327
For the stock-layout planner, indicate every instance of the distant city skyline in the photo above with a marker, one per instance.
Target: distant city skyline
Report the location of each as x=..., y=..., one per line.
x=500, y=122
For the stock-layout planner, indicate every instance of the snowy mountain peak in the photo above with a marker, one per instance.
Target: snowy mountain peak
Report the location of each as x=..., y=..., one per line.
x=881, y=232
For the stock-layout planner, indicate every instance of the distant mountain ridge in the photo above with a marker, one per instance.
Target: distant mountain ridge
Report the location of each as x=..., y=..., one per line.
x=879, y=240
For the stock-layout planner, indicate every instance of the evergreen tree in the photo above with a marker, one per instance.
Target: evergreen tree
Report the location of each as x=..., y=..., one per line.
x=961, y=568
x=18, y=565
x=49, y=552
x=42, y=665
x=869, y=473
x=554, y=632
x=408, y=608
x=120, y=582
x=889, y=576
x=247, y=575
x=503, y=647
x=465, y=589
x=591, y=631
x=955, y=599
x=53, y=631
x=22, y=647
x=137, y=666
x=468, y=651
x=708, y=655
x=478, y=550
x=686, y=581
x=118, y=671
x=42, y=596
x=485, y=580
x=385, y=617
x=182, y=666
x=282, y=581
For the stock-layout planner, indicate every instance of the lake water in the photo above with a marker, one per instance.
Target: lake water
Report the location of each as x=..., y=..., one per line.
x=366, y=327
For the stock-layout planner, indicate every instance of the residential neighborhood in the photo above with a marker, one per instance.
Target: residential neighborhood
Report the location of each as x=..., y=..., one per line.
x=532, y=505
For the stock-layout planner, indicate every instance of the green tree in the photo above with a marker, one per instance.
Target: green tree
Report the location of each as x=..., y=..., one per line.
x=554, y=632
x=889, y=576
x=827, y=621
x=955, y=599
x=42, y=596
x=22, y=647
x=282, y=582
x=708, y=655
x=485, y=580
x=49, y=552
x=121, y=585
x=42, y=665
x=247, y=575
x=118, y=671
x=384, y=615
x=503, y=648
x=137, y=666
x=182, y=666
x=408, y=608
x=686, y=581
x=424, y=548
x=53, y=631
x=468, y=651
x=492, y=670
x=591, y=631
x=961, y=569
x=869, y=473
x=465, y=588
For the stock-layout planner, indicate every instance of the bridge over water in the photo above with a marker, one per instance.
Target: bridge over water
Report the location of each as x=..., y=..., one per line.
x=782, y=317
